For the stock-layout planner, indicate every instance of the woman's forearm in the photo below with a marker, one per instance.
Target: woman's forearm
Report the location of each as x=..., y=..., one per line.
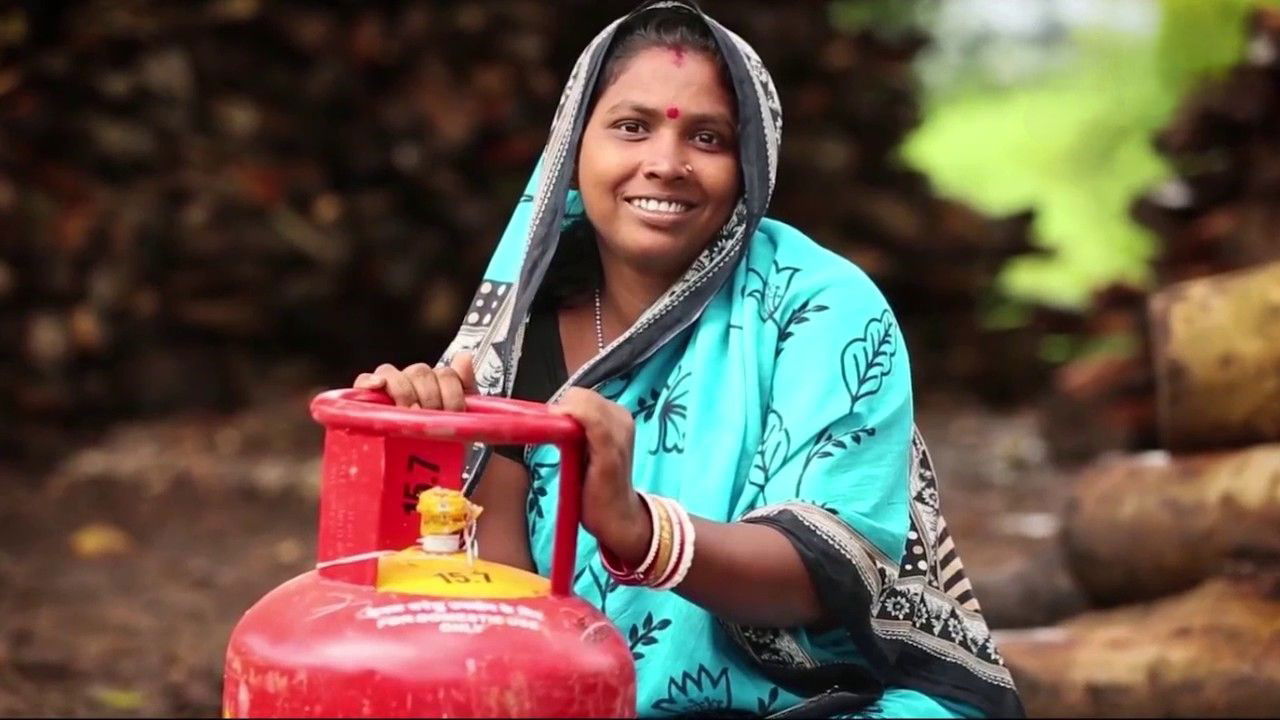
x=751, y=575
x=744, y=573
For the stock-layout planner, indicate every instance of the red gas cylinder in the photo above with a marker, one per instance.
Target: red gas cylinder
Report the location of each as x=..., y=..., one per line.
x=385, y=628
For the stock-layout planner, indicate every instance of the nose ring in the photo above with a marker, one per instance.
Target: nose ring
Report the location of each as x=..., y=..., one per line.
x=688, y=169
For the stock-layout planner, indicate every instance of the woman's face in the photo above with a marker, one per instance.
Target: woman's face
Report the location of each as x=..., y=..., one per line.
x=658, y=164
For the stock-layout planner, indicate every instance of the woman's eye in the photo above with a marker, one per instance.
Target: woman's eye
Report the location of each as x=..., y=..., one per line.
x=707, y=137
x=630, y=127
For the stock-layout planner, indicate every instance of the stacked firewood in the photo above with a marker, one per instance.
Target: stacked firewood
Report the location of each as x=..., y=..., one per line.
x=1218, y=213
x=1186, y=536
x=200, y=198
x=197, y=198
x=1103, y=398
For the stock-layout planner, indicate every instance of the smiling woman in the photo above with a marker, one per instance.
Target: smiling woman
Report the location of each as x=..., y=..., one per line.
x=655, y=188
x=761, y=518
x=657, y=185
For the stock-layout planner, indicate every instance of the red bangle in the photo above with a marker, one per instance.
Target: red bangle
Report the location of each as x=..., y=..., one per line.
x=616, y=568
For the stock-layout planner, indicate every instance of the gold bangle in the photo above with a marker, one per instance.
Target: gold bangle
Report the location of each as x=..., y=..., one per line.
x=665, y=545
x=684, y=542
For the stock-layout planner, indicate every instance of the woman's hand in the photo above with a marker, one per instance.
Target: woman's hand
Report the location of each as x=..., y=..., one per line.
x=745, y=573
x=611, y=509
x=420, y=385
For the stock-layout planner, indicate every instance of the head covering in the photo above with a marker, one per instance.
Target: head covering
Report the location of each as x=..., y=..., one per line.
x=769, y=384
x=528, y=243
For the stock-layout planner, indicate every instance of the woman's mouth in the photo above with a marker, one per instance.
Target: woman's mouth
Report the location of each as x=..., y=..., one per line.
x=656, y=206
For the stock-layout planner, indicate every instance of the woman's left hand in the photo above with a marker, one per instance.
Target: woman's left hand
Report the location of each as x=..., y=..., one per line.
x=611, y=509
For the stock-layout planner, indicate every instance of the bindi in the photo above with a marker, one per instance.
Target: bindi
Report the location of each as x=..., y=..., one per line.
x=673, y=112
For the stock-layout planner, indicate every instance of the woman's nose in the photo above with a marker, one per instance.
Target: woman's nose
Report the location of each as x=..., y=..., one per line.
x=666, y=161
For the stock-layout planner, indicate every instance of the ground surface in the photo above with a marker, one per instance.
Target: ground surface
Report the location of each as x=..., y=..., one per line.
x=124, y=568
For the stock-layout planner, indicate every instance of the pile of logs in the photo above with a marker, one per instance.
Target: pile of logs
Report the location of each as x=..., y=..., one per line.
x=199, y=198
x=1220, y=212
x=1209, y=652
x=1147, y=524
x=1182, y=542
x=1217, y=214
x=1103, y=399
x=1192, y=529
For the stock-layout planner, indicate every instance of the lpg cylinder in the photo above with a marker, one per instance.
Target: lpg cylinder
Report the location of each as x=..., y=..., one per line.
x=400, y=619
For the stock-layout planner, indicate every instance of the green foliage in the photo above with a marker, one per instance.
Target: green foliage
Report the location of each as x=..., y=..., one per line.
x=1076, y=146
x=1199, y=36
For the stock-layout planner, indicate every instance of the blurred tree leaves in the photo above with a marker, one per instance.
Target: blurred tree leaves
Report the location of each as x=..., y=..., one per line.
x=1075, y=145
x=1199, y=36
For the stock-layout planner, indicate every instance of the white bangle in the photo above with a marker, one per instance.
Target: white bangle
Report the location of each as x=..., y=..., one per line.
x=684, y=543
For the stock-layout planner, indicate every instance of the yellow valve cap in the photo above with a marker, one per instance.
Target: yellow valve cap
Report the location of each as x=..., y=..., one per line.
x=445, y=512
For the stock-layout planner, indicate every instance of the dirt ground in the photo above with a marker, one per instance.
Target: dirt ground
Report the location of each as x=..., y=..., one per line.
x=124, y=568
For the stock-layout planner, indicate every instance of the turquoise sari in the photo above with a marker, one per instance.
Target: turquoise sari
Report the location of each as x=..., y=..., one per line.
x=770, y=385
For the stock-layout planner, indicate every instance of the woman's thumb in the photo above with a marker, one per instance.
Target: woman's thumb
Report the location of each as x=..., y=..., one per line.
x=461, y=364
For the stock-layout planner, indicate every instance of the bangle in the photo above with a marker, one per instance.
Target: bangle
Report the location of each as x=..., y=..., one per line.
x=617, y=568
x=684, y=555
x=661, y=573
x=665, y=543
x=670, y=554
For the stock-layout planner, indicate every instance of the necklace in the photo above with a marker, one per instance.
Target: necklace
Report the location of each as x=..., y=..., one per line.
x=599, y=324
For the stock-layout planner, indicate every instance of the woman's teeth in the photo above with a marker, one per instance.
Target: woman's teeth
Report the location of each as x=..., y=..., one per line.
x=661, y=206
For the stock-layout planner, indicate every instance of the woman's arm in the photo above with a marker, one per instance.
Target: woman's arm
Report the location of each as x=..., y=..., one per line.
x=502, y=532
x=749, y=574
x=744, y=573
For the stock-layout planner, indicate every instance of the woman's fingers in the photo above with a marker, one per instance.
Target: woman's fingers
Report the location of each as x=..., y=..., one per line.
x=418, y=385
x=368, y=381
x=426, y=388
x=463, y=365
x=584, y=406
x=608, y=426
x=575, y=405
x=589, y=407
x=451, y=389
x=397, y=385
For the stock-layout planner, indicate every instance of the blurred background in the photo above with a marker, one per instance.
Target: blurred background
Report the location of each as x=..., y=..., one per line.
x=212, y=209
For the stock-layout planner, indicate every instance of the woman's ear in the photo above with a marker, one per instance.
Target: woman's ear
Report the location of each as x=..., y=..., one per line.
x=573, y=171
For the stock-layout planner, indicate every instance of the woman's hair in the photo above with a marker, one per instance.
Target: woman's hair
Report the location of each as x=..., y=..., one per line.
x=665, y=28
x=575, y=268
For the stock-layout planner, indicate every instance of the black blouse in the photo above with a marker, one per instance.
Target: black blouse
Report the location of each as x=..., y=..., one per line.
x=541, y=370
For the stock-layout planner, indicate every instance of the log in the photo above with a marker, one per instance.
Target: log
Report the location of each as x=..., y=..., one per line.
x=1147, y=525
x=1103, y=393
x=1034, y=589
x=1213, y=651
x=1216, y=345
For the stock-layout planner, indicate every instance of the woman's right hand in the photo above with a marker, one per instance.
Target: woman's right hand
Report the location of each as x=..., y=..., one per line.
x=420, y=385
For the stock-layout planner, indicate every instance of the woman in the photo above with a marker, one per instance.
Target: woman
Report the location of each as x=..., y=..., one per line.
x=760, y=516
